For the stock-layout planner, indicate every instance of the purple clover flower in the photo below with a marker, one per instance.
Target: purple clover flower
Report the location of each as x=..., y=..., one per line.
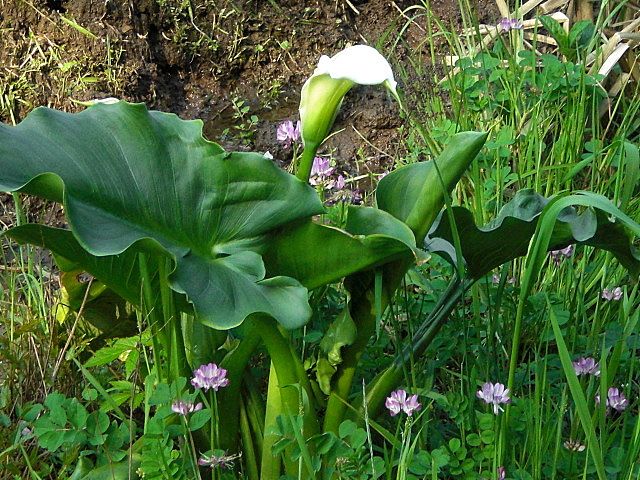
x=558, y=255
x=516, y=24
x=586, y=366
x=184, y=408
x=613, y=294
x=221, y=460
x=615, y=399
x=398, y=401
x=501, y=474
x=494, y=394
x=507, y=24
x=320, y=170
x=210, y=376
x=504, y=25
x=287, y=133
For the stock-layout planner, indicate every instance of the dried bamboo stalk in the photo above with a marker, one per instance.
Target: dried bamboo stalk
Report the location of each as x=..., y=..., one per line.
x=551, y=5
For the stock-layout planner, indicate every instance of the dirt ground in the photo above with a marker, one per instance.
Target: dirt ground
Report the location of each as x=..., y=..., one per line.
x=236, y=64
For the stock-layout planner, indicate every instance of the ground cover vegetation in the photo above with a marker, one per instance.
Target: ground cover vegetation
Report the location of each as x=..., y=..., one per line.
x=471, y=313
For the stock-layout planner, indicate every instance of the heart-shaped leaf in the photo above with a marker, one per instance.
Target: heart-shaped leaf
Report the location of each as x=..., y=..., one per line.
x=131, y=178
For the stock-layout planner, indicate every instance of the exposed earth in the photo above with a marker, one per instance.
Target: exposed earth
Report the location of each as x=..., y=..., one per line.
x=237, y=65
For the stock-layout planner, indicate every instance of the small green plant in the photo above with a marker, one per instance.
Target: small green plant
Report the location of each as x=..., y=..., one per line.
x=344, y=455
x=186, y=30
x=244, y=122
x=67, y=430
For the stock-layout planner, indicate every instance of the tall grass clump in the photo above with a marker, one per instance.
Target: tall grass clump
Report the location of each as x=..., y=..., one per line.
x=555, y=127
x=32, y=353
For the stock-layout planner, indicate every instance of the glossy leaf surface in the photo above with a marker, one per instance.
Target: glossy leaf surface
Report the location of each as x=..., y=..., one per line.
x=416, y=193
x=131, y=178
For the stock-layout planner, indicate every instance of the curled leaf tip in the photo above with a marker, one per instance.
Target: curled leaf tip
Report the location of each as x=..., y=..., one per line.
x=106, y=101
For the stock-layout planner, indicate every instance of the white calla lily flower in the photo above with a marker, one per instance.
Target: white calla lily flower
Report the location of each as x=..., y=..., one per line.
x=360, y=64
x=323, y=92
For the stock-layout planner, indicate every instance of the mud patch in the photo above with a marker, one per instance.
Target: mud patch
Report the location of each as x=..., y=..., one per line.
x=238, y=65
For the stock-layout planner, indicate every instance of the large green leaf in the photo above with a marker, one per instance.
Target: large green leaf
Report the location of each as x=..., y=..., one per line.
x=509, y=235
x=416, y=193
x=133, y=178
x=318, y=254
x=374, y=223
x=120, y=272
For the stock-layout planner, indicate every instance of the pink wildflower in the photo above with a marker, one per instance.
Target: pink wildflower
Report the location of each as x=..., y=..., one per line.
x=184, y=408
x=287, y=133
x=494, y=394
x=615, y=400
x=321, y=169
x=586, y=366
x=507, y=24
x=613, y=294
x=210, y=376
x=501, y=474
x=558, y=255
x=398, y=401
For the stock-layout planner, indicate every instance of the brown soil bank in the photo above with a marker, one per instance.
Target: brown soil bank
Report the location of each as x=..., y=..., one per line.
x=238, y=65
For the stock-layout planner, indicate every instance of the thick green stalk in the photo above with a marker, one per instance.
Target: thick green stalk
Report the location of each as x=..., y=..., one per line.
x=283, y=397
x=271, y=466
x=362, y=309
x=235, y=363
x=305, y=163
x=288, y=367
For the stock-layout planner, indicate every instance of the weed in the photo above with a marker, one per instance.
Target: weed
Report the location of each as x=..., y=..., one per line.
x=244, y=122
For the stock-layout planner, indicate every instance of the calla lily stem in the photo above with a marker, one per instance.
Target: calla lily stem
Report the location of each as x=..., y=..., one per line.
x=305, y=163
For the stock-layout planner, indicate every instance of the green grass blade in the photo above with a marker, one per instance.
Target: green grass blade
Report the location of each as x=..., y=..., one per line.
x=98, y=386
x=631, y=172
x=578, y=396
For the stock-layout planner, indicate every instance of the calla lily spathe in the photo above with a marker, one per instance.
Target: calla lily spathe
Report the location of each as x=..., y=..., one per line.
x=323, y=92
